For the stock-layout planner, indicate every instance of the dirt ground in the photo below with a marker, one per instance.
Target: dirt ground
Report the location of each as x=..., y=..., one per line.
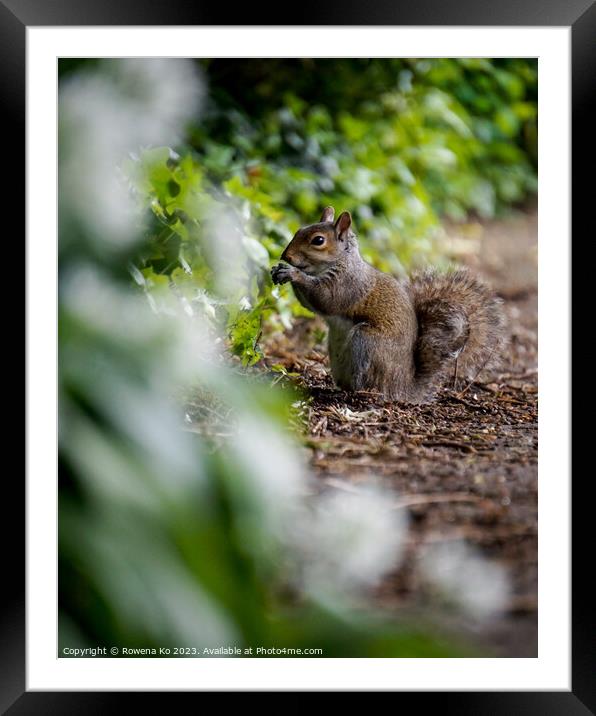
x=464, y=466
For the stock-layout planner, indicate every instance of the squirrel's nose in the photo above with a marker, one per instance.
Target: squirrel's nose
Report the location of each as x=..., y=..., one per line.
x=286, y=256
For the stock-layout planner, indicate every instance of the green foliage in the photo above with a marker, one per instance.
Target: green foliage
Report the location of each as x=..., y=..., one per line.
x=400, y=143
x=456, y=135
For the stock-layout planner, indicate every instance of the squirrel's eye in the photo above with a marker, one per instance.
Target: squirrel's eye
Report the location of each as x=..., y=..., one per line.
x=317, y=240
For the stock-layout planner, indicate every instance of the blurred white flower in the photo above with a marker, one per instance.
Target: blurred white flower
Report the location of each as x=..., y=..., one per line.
x=121, y=314
x=338, y=543
x=272, y=463
x=478, y=586
x=226, y=250
x=106, y=116
x=349, y=541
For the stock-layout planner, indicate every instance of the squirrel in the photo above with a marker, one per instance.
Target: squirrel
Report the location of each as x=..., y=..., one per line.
x=402, y=339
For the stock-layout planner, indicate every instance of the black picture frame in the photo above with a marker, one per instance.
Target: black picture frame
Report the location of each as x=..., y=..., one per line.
x=580, y=15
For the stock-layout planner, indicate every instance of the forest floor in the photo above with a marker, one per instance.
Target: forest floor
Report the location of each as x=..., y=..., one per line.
x=464, y=466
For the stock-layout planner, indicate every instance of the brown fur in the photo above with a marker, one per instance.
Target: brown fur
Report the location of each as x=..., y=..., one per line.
x=401, y=339
x=458, y=318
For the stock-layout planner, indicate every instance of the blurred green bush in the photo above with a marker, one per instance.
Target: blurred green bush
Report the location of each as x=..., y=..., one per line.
x=401, y=143
x=459, y=135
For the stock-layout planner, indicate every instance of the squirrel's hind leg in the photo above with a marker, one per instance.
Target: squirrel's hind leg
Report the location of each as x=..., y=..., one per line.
x=381, y=363
x=340, y=353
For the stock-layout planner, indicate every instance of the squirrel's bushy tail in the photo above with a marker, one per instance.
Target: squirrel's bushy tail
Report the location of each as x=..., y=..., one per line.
x=458, y=318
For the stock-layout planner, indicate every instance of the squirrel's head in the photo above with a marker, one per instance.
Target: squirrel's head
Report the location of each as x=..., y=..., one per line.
x=318, y=245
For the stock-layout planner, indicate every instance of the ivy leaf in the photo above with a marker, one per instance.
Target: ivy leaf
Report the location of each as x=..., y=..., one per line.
x=136, y=274
x=184, y=263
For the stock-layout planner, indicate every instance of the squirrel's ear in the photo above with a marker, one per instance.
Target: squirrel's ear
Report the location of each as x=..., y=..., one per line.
x=328, y=214
x=343, y=223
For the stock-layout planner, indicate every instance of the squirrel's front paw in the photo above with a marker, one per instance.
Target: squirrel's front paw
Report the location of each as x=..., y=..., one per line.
x=282, y=273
